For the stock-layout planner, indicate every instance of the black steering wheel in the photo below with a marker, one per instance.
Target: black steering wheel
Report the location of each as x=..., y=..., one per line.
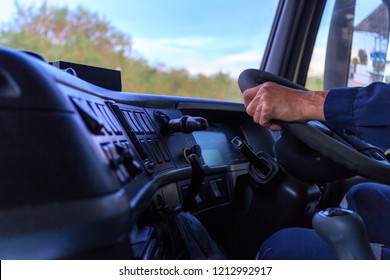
x=369, y=165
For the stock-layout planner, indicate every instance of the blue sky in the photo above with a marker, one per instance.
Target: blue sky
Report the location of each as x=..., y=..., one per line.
x=204, y=36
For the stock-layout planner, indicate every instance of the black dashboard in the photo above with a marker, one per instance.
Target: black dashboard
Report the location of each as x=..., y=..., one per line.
x=82, y=166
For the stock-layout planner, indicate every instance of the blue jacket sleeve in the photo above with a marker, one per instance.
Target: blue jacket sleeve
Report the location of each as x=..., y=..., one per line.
x=363, y=111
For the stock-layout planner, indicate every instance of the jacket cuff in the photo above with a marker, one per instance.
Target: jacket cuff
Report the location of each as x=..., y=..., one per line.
x=339, y=108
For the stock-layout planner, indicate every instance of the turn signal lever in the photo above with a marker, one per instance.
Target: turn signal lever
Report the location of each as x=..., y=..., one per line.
x=345, y=232
x=192, y=155
x=185, y=124
x=263, y=167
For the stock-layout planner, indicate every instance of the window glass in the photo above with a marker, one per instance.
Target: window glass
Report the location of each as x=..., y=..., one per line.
x=358, y=56
x=369, y=45
x=172, y=47
x=315, y=76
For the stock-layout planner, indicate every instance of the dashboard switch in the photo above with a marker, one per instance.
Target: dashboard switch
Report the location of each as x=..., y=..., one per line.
x=128, y=160
x=263, y=168
x=216, y=192
x=94, y=124
x=185, y=124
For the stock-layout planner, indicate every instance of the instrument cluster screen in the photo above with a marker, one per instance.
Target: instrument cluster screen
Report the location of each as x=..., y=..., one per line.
x=216, y=146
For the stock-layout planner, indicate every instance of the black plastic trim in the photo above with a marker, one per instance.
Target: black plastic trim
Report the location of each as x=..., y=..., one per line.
x=71, y=227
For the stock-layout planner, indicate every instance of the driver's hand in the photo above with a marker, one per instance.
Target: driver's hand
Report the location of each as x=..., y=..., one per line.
x=269, y=101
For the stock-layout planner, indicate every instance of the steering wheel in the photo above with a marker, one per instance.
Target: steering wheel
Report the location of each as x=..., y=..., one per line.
x=368, y=165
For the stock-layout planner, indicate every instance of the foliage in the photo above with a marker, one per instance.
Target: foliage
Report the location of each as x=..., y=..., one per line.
x=315, y=83
x=355, y=60
x=81, y=36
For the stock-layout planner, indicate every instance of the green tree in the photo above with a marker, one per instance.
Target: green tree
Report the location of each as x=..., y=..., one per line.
x=81, y=36
x=58, y=32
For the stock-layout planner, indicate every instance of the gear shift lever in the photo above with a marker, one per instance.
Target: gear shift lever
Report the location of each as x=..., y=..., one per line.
x=345, y=232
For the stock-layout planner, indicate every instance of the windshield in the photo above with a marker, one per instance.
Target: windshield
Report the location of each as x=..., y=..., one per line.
x=171, y=47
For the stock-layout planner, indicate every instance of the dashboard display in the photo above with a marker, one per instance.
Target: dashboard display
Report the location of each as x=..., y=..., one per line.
x=216, y=147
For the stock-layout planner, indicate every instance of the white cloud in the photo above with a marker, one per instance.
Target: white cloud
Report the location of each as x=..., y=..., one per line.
x=182, y=43
x=197, y=55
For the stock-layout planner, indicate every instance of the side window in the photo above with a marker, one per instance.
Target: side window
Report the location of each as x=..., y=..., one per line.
x=351, y=45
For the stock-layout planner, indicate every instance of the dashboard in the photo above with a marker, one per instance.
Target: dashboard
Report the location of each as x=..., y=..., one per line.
x=86, y=170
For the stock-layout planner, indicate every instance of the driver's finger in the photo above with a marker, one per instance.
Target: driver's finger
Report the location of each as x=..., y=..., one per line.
x=275, y=126
x=266, y=117
x=252, y=106
x=258, y=112
x=249, y=95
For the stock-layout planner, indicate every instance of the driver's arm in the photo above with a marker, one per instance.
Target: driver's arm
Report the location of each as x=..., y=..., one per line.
x=363, y=111
x=269, y=101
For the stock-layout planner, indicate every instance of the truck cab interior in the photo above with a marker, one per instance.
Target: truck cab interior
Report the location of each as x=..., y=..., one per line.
x=88, y=171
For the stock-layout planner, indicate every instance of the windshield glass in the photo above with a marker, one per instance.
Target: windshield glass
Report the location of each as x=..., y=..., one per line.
x=171, y=47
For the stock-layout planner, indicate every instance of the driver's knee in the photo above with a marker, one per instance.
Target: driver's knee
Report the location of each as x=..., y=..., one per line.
x=295, y=244
x=367, y=196
x=372, y=202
